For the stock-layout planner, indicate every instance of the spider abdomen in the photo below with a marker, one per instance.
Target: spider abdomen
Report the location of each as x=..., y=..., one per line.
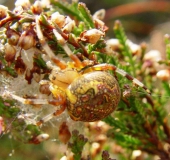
x=92, y=96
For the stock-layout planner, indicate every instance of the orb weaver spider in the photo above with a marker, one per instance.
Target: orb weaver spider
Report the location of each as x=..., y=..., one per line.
x=89, y=93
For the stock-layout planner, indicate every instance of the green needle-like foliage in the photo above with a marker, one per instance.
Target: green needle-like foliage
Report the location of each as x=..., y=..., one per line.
x=85, y=13
x=125, y=50
x=167, y=42
x=77, y=143
x=68, y=9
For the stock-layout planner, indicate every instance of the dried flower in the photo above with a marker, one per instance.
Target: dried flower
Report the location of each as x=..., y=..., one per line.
x=96, y=148
x=37, y=7
x=112, y=45
x=136, y=153
x=25, y=4
x=151, y=60
x=44, y=88
x=69, y=26
x=135, y=49
x=13, y=36
x=45, y=3
x=163, y=75
x=64, y=133
x=20, y=66
x=153, y=55
x=3, y=11
x=40, y=138
x=27, y=40
x=100, y=14
x=97, y=18
x=99, y=24
x=63, y=158
x=10, y=52
x=91, y=36
x=58, y=19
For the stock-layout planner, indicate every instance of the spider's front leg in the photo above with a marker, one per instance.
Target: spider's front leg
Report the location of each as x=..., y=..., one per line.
x=105, y=67
x=59, y=100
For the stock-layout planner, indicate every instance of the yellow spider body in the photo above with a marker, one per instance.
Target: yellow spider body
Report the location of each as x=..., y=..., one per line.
x=92, y=96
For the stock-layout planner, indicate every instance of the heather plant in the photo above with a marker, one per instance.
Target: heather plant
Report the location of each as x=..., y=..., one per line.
x=50, y=38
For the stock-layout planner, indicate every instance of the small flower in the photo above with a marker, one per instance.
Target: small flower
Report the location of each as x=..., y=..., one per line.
x=153, y=55
x=95, y=149
x=63, y=158
x=91, y=36
x=37, y=7
x=64, y=133
x=151, y=61
x=25, y=4
x=112, y=45
x=58, y=19
x=100, y=14
x=27, y=40
x=163, y=75
x=99, y=24
x=98, y=17
x=40, y=138
x=45, y=3
x=13, y=36
x=3, y=11
x=135, y=49
x=69, y=26
x=44, y=89
x=10, y=52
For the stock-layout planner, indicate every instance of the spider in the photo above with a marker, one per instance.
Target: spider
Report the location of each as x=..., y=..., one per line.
x=89, y=93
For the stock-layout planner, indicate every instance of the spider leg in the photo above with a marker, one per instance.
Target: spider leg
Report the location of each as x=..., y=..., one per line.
x=50, y=116
x=105, y=67
x=46, y=47
x=56, y=102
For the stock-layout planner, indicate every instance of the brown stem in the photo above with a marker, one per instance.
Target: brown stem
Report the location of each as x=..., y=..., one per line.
x=8, y=19
x=154, y=140
x=166, y=129
x=149, y=100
